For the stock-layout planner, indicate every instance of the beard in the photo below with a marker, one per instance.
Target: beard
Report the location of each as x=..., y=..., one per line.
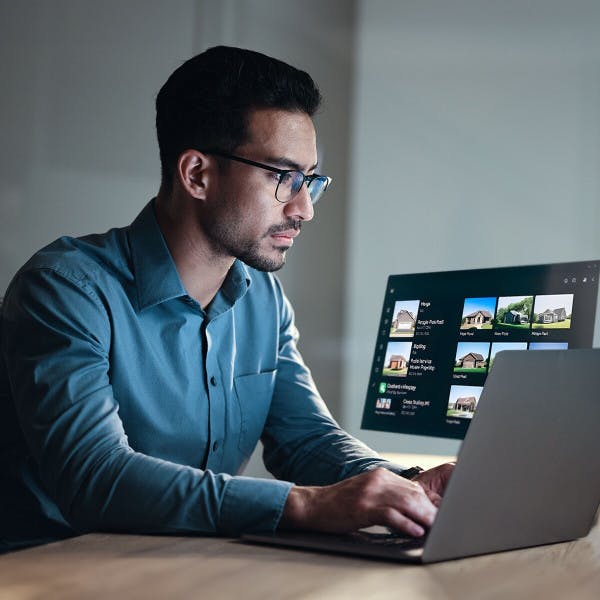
x=227, y=239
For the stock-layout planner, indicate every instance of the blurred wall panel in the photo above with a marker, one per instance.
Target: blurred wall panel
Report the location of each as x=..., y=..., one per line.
x=78, y=146
x=477, y=144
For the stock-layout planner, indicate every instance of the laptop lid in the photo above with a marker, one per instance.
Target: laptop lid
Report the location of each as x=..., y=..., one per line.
x=527, y=471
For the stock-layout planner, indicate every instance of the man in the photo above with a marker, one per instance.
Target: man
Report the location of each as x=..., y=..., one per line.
x=141, y=366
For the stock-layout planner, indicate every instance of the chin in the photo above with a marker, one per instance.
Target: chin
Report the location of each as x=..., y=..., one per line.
x=264, y=263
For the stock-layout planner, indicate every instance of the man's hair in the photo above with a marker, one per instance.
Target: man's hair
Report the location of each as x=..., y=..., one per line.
x=206, y=101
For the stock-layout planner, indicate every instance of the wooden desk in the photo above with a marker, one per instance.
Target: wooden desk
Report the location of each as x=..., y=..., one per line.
x=146, y=567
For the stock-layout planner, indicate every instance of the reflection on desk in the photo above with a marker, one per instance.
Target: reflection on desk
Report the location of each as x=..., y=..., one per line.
x=133, y=566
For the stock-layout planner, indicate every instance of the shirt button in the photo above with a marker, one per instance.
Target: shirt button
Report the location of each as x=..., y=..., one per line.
x=213, y=381
x=215, y=446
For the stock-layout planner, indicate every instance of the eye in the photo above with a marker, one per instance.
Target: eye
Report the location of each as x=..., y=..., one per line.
x=286, y=178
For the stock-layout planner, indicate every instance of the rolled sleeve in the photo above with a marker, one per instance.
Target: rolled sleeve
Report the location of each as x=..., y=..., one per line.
x=251, y=504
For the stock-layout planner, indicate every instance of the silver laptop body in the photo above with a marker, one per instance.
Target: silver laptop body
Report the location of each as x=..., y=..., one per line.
x=528, y=471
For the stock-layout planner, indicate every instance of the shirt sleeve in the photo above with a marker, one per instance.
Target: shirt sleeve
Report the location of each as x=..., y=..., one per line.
x=302, y=442
x=56, y=345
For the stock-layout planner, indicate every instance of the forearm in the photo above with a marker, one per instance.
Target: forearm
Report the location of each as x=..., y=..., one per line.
x=321, y=456
x=99, y=482
x=136, y=493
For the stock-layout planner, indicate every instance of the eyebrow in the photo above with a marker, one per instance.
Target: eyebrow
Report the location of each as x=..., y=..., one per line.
x=286, y=162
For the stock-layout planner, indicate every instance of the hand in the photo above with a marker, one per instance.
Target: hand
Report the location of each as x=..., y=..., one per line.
x=377, y=497
x=434, y=481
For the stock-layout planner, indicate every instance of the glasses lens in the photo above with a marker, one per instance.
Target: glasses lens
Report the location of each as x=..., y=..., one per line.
x=289, y=185
x=316, y=188
x=291, y=182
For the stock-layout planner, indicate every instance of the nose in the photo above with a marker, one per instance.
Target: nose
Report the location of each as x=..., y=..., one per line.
x=300, y=206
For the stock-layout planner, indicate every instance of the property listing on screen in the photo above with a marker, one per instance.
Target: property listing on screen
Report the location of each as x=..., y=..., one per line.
x=439, y=334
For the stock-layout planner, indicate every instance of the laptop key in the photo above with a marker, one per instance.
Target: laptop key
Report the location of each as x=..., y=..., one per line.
x=385, y=539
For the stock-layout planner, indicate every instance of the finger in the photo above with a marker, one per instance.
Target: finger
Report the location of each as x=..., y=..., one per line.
x=414, y=504
x=424, y=514
x=436, y=499
x=432, y=493
x=396, y=521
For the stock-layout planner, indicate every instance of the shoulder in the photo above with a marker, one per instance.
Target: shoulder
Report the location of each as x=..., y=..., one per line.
x=71, y=276
x=87, y=260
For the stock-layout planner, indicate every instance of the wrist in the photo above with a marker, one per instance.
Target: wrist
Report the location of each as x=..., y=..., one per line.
x=297, y=508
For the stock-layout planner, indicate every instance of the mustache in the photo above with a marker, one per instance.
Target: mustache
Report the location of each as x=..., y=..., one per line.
x=290, y=224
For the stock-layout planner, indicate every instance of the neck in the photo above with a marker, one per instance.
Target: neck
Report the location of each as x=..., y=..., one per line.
x=200, y=268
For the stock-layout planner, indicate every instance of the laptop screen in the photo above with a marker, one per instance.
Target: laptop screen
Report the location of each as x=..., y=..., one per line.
x=439, y=334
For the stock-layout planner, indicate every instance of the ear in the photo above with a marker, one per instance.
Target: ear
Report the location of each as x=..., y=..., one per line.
x=193, y=172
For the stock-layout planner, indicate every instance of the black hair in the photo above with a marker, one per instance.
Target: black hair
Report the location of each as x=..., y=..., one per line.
x=205, y=102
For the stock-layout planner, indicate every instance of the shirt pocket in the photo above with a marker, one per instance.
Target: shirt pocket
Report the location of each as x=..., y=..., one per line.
x=253, y=394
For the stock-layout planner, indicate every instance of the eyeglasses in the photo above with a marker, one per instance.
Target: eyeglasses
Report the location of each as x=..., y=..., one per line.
x=289, y=181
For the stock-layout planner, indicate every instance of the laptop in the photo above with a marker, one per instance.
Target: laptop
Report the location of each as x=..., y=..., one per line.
x=526, y=473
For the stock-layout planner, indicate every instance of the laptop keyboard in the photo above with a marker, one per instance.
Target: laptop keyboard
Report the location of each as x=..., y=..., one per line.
x=386, y=539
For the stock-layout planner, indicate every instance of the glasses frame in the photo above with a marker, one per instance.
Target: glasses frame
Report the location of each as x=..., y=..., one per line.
x=308, y=179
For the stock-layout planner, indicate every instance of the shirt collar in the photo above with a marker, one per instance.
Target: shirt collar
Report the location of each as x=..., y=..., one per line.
x=155, y=272
x=235, y=286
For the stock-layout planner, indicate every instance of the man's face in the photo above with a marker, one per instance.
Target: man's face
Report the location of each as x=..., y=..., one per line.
x=243, y=219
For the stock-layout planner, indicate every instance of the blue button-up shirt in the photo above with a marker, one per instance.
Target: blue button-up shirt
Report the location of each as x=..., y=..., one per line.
x=124, y=405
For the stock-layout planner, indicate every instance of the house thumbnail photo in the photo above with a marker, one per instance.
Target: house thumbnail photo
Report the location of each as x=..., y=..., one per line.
x=397, y=357
x=478, y=313
x=463, y=400
x=404, y=318
x=514, y=312
x=553, y=311
x=471, y=357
